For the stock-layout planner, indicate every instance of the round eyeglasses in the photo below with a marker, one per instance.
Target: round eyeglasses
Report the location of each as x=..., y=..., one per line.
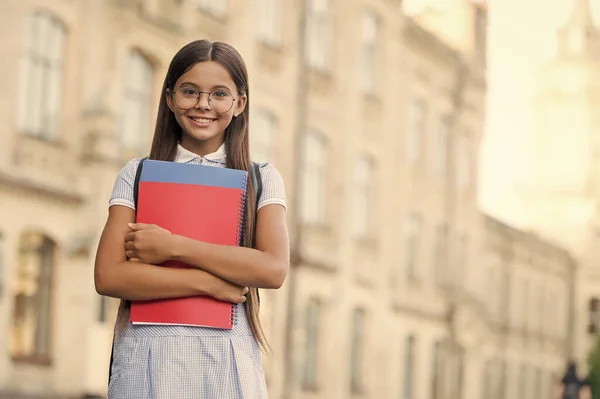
x=188, y=97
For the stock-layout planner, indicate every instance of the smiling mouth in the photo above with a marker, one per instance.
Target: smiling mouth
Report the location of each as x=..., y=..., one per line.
x=201, y=120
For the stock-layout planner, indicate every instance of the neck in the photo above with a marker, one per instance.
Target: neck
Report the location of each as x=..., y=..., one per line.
x=201, y=147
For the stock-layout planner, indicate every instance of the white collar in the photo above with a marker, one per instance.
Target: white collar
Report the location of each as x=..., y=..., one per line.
x=184, y=155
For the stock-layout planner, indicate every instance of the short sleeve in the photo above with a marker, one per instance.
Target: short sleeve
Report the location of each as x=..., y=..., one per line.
x=122, y=193
x=273, y=188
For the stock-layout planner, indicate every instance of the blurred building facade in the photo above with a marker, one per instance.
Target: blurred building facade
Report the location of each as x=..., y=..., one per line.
x=530, y=297
x=389, y=294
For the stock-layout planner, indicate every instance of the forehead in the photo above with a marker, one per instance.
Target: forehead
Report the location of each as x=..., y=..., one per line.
x=206, y=75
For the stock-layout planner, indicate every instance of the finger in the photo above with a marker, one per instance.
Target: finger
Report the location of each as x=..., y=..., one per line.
x=130, y=245
x=140, y=226
x=246, y=289
x=131, y=254
x=130, y=236
x=135, y=260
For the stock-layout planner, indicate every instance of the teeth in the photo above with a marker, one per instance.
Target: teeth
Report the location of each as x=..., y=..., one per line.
x=201, y=120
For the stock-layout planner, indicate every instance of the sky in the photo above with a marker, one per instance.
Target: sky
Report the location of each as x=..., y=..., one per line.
x=522, y=38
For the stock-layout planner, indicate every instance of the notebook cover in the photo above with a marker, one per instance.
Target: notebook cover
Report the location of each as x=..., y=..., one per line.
x=200, y=202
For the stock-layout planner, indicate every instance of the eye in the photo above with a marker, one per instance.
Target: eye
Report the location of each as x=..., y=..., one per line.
x=220, y=93
x=189, y=91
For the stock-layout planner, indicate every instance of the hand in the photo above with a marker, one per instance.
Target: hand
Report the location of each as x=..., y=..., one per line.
x=223, y=290
x=148, y=243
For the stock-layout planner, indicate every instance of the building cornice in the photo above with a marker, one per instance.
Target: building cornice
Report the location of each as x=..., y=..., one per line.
x=19, y=183
x=428, y=40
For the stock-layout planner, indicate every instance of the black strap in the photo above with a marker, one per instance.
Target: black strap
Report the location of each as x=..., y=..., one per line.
x=257, y=181
x=258, y=188
x=136, y=181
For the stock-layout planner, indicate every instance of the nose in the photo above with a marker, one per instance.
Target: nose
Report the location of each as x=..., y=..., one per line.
x=203, y=102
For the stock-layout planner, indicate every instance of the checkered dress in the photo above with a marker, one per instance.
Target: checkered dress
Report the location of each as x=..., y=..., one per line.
x=178, y=362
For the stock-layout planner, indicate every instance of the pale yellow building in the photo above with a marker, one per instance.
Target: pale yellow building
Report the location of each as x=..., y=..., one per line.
x=529, y=308
x=375, y=125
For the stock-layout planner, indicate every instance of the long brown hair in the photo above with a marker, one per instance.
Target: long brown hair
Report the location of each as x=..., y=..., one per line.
x=167, y=135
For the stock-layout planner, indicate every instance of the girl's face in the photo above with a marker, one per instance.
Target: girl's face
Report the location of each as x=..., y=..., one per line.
x=204, y=121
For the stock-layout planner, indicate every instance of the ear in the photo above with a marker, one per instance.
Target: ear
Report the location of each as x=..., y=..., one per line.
x=240, y=105
x=169, y=97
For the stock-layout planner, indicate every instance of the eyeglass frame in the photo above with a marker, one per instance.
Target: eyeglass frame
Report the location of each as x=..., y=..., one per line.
x=200, y=95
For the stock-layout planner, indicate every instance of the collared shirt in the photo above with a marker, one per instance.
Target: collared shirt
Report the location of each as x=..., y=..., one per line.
x=273, y=189
x=183, y=155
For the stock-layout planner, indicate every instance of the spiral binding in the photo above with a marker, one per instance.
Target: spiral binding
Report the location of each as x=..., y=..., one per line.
x=239, y=237
x=241, y=213
x=233, y=316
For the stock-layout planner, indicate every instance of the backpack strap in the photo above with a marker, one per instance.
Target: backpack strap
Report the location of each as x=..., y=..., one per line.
x=257, y=181
x=136, y=181
x=258, y=187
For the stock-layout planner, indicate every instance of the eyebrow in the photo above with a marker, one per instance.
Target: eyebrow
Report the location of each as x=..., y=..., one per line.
x=213, y=88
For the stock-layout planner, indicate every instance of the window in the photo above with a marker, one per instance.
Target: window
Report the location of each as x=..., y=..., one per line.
x=436, y=372
x=262, y=134
x=367, y=72
x=409, y=360
x=357, y=351
x=522, y=375
x=460, y=373
x=313, y=178
x=551, y=315
x=502, y=380
x=363, y=185
x=2, y=271
x=319, y=31
x=310, y=366
x=41, y=73
x=102, y=309
x=524, y=309
x=416, y=127
x=32, y=315
x=269, y=21
x=440, y=254
x=594, y=315
x=269, y=319
x=137, y=101
x=490, y=289
x=440, y=160
x=217, y=8
x=481, y=32
x=413, y=239
x=538, y=384
x=461, y=262
x=463, y=162
x=486, y=383
x=546, y=385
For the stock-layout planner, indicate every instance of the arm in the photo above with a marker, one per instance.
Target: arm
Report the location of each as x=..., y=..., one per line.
x=116, y=277
x=263, y=267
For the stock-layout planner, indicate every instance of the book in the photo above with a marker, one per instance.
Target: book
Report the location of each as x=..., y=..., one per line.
x=205, y=203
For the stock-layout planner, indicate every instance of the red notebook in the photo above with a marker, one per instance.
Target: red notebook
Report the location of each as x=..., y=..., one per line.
x=201, y=202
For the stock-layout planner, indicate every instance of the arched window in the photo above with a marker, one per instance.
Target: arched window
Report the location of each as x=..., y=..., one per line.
x=314, y=178
x=41, y=73
x=310, y=366
x=262, y=135
x=32, y=311
x=137, y=101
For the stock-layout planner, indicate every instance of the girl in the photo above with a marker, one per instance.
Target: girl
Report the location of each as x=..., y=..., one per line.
x=202, y=119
